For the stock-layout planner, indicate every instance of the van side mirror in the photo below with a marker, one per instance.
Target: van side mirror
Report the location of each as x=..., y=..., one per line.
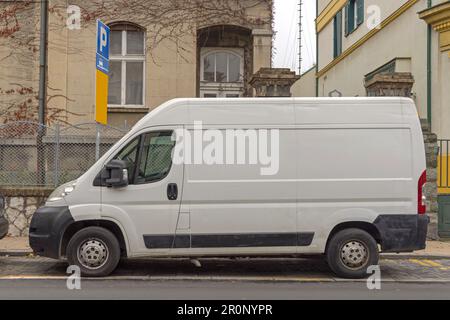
x=115, y=174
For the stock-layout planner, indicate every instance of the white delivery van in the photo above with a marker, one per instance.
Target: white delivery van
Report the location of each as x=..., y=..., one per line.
x=270, y=177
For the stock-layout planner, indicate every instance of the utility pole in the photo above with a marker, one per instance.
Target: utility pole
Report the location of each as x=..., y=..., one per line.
x=300, y=31
x=42, y=92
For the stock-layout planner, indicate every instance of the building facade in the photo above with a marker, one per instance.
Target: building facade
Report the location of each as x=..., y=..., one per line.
x=159, y=50
x=358, y=39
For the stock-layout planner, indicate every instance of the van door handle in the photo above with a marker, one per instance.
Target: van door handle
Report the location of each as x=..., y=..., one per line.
x=172, y=191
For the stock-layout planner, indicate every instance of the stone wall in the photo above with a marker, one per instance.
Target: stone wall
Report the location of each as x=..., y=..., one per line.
x=431, y=189
x=20, y=206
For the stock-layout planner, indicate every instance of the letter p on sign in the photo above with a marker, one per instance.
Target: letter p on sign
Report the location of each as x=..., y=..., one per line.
x=104, y=42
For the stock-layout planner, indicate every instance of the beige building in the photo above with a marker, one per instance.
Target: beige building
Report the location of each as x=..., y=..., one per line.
x=306, y=85
x=159, y=51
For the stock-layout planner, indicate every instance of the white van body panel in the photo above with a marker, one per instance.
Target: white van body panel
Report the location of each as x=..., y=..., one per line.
x=335, y=183
x=218, y=195
x=341, y=160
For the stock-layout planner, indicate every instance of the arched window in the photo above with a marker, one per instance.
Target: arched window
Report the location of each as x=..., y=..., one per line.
x=127, y=66
x=222, y=66
x=221, y=72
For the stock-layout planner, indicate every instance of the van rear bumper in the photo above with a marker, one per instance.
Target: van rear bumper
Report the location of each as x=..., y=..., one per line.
x=402, y=233
x=46, y=230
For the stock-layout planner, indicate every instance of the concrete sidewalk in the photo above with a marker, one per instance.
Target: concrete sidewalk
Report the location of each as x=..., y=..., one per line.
x=18, y=246
x=434, y=248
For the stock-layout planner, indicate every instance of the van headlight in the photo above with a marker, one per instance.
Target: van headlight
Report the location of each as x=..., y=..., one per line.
x=69, y=189
x=62, y=191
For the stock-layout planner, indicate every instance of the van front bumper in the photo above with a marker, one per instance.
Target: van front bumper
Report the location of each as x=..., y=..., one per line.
x=402, y=233
x=47, y=229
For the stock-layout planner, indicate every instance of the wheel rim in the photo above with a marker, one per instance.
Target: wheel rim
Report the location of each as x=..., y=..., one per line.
x=354, y=254
x=92, y=253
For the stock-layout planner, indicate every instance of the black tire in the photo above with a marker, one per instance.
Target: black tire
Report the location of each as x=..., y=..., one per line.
x=90, y=236
x=349, y=243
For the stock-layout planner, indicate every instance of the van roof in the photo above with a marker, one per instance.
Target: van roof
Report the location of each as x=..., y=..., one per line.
x=299, y=99
x=280, y=111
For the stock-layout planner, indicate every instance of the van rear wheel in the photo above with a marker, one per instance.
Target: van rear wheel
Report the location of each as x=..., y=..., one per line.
x=350, y=252
x=95, y=250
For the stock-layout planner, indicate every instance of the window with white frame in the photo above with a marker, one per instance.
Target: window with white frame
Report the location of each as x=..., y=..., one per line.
x=221, y=72
x=221, y=66
x=127, y=66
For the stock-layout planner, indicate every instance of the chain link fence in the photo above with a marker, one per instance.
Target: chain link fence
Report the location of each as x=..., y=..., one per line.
x=35, y=155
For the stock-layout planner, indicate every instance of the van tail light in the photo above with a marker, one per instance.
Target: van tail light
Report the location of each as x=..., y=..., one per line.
x=421, y=199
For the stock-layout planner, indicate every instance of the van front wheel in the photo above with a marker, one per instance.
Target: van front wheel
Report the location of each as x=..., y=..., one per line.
x=95, y=250
x=350, y=252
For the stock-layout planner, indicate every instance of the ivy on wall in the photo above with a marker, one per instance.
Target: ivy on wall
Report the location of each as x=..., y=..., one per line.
x=166, y=21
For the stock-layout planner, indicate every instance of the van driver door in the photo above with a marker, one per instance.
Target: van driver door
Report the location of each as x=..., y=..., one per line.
x=150, y=204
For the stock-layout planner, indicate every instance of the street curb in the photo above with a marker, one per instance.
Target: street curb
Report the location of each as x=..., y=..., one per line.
x=15, y=253
x=412, y=256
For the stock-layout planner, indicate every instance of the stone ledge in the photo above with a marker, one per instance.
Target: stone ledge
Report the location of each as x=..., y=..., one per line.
x=25, y=191
x=273, y=82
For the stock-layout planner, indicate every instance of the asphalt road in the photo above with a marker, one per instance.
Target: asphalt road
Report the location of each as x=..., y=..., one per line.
x=249, y=279
x=211, y=290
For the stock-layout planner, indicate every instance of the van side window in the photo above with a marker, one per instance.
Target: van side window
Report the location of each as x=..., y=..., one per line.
x=129, y=155
x=156, y=157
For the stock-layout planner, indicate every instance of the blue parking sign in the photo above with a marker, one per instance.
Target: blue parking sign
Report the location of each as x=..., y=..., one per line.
x=103, y=32
x=102, y=64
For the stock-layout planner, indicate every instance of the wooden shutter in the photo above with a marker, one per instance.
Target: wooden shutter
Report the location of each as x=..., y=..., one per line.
x=351, y=16
x=347, y=7
x=360, y=11
x=337, y=35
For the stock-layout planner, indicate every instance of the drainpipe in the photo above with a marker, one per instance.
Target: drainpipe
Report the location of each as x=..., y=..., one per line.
x=429, y=80
x=43, y=61
x=42, y=93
